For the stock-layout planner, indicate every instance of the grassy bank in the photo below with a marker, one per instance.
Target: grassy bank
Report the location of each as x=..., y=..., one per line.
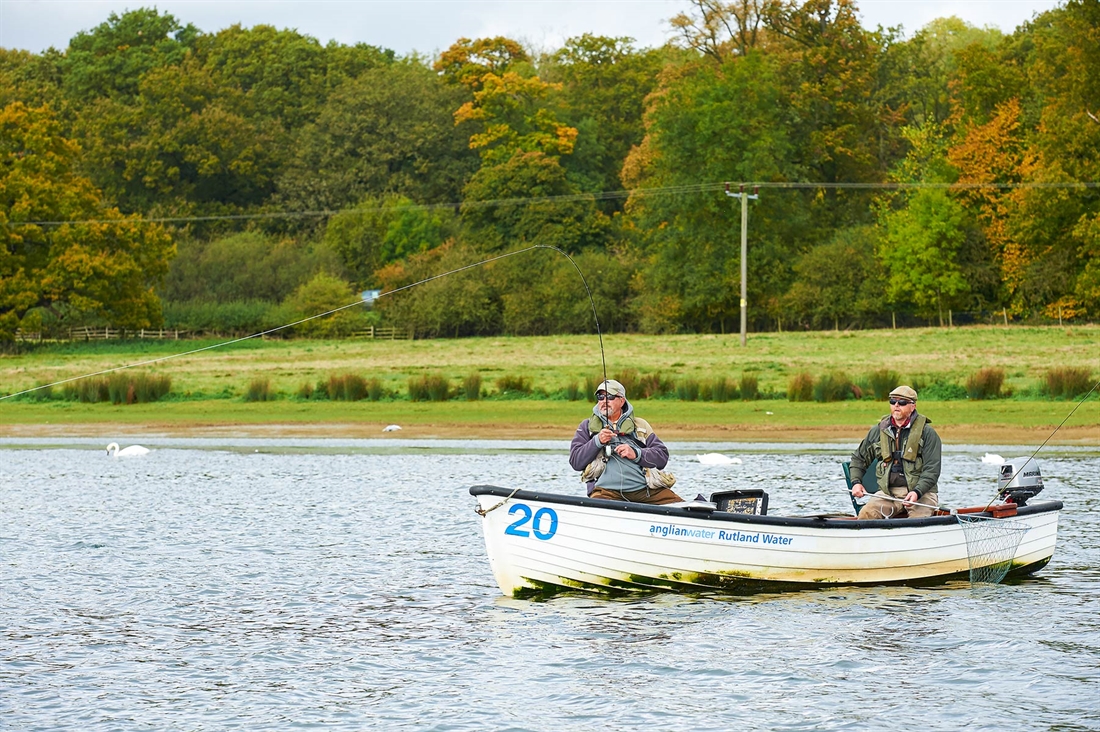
x=924, y=356
x=207, y=388
x=999, y=422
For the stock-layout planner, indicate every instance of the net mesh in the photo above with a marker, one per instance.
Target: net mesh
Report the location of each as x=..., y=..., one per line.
x=990, y=546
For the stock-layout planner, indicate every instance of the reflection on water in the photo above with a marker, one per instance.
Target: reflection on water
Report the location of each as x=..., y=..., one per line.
x=344, y=584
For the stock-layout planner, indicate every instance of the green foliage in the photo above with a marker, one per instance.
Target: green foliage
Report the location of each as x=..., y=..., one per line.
x=654, y=385
x=429, y=388
x=801, y=387
x=922, y=244
x=604, y=85
x=749, y=387
x=512, y=385
x=882, y=382
x=322, y=294
x=720, y=389
x=259, y=390
x=839, y=281
x=985, y=383
x=687, y=390
x=835, y=387
x=111, y=59
x=471, y=387
x=381, y=231
x=247, y=130
x=513, y=222
x=390, y=130
x=346, y=387
x=1067, y=382
x=121, y=387
x=245, y=266
x=105, y=269
x=574, y=392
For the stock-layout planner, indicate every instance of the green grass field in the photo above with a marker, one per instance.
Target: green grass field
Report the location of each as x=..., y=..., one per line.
x=207, y=387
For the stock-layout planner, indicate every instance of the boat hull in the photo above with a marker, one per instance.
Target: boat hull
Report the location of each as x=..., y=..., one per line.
x=540, y=543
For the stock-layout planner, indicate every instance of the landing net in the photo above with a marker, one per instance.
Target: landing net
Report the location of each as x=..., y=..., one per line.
x=991, y=544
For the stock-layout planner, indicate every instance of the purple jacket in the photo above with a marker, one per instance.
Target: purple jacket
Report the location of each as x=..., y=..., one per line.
x=585, y=447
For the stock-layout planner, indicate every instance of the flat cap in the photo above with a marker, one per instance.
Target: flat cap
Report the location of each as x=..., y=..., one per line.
x=905, y=392
x=612, y=387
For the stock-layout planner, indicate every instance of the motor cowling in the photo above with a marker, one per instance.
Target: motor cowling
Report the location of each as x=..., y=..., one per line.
x=1020, y=480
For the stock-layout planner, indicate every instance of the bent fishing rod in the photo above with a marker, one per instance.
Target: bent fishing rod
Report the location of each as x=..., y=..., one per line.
x=358, y=303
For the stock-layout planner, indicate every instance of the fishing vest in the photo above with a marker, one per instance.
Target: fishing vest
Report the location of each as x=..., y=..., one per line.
x=639, y=434
x=912, y=460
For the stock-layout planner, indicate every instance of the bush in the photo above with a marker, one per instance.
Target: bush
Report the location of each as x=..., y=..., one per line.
x=516, y=385
x=375, y=392
x=942, y=391
x=471, y=385
x=346, y=387
x=1067, y=383
x=882, y=382
x=119, y=388
x=718, y=390
x=750, y=387
x=653, y=385
x=630, y=380
x=835, y=387
x=429, y=388
x=985, y=384
x=42, y=393
x=305, y=391
x=801, y=387
x=687, y=390
x=259, y=391
x=573, y=392
x=439, y=389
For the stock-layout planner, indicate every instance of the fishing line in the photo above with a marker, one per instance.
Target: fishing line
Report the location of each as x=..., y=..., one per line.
x=1048, y=439
x=591, y=301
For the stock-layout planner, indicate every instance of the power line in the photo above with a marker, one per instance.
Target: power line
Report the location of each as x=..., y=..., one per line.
x=568, y=198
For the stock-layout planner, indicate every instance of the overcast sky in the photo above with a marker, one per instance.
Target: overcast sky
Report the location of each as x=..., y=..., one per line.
x=429, y=26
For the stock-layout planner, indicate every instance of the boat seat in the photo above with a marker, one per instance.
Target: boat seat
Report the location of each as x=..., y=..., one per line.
x=872, y=488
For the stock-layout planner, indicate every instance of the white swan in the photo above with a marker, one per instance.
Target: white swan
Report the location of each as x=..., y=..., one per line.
x=993, y=459
x=131, y=451
x=714, y=458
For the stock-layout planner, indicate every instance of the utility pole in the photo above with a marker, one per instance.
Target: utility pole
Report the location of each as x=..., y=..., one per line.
x=744, y=252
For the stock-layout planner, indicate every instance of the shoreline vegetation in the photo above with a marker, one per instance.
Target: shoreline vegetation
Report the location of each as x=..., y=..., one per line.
x=699, y=387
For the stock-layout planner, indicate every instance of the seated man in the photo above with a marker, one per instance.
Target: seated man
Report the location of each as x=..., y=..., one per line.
x=613, y=448
x=910, y=469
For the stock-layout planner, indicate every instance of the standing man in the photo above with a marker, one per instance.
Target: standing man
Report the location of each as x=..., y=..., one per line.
x=613, y=448
x=910, y=469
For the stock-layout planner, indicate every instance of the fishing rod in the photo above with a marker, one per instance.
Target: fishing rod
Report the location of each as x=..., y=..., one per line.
x=358, y=303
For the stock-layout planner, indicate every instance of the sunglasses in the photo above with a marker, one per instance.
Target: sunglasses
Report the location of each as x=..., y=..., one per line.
x=608, y=397
x=900, y=402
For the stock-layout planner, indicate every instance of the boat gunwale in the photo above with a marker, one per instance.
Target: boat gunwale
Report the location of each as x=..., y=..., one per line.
x=818, y=522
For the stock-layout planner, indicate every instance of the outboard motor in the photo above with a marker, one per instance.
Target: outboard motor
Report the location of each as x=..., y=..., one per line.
x=1020, y=480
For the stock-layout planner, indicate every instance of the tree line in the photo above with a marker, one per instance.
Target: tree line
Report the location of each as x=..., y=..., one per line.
x=152, y=173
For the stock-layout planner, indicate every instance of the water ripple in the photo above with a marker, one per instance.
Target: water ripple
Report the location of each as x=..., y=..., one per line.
x=345, y=586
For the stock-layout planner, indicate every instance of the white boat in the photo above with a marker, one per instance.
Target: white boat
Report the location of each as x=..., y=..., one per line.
x=541, y=543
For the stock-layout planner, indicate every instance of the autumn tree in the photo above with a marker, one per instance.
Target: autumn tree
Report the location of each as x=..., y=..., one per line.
x=389, y=131
x=468, y=62
x=718, y=30
x=383, y=230
x=64, y=252
x=604, y=85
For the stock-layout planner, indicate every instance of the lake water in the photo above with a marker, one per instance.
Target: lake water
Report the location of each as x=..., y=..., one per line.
x=344, y=585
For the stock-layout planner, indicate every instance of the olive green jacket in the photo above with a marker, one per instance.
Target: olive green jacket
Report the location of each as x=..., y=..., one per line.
x=922, y=472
